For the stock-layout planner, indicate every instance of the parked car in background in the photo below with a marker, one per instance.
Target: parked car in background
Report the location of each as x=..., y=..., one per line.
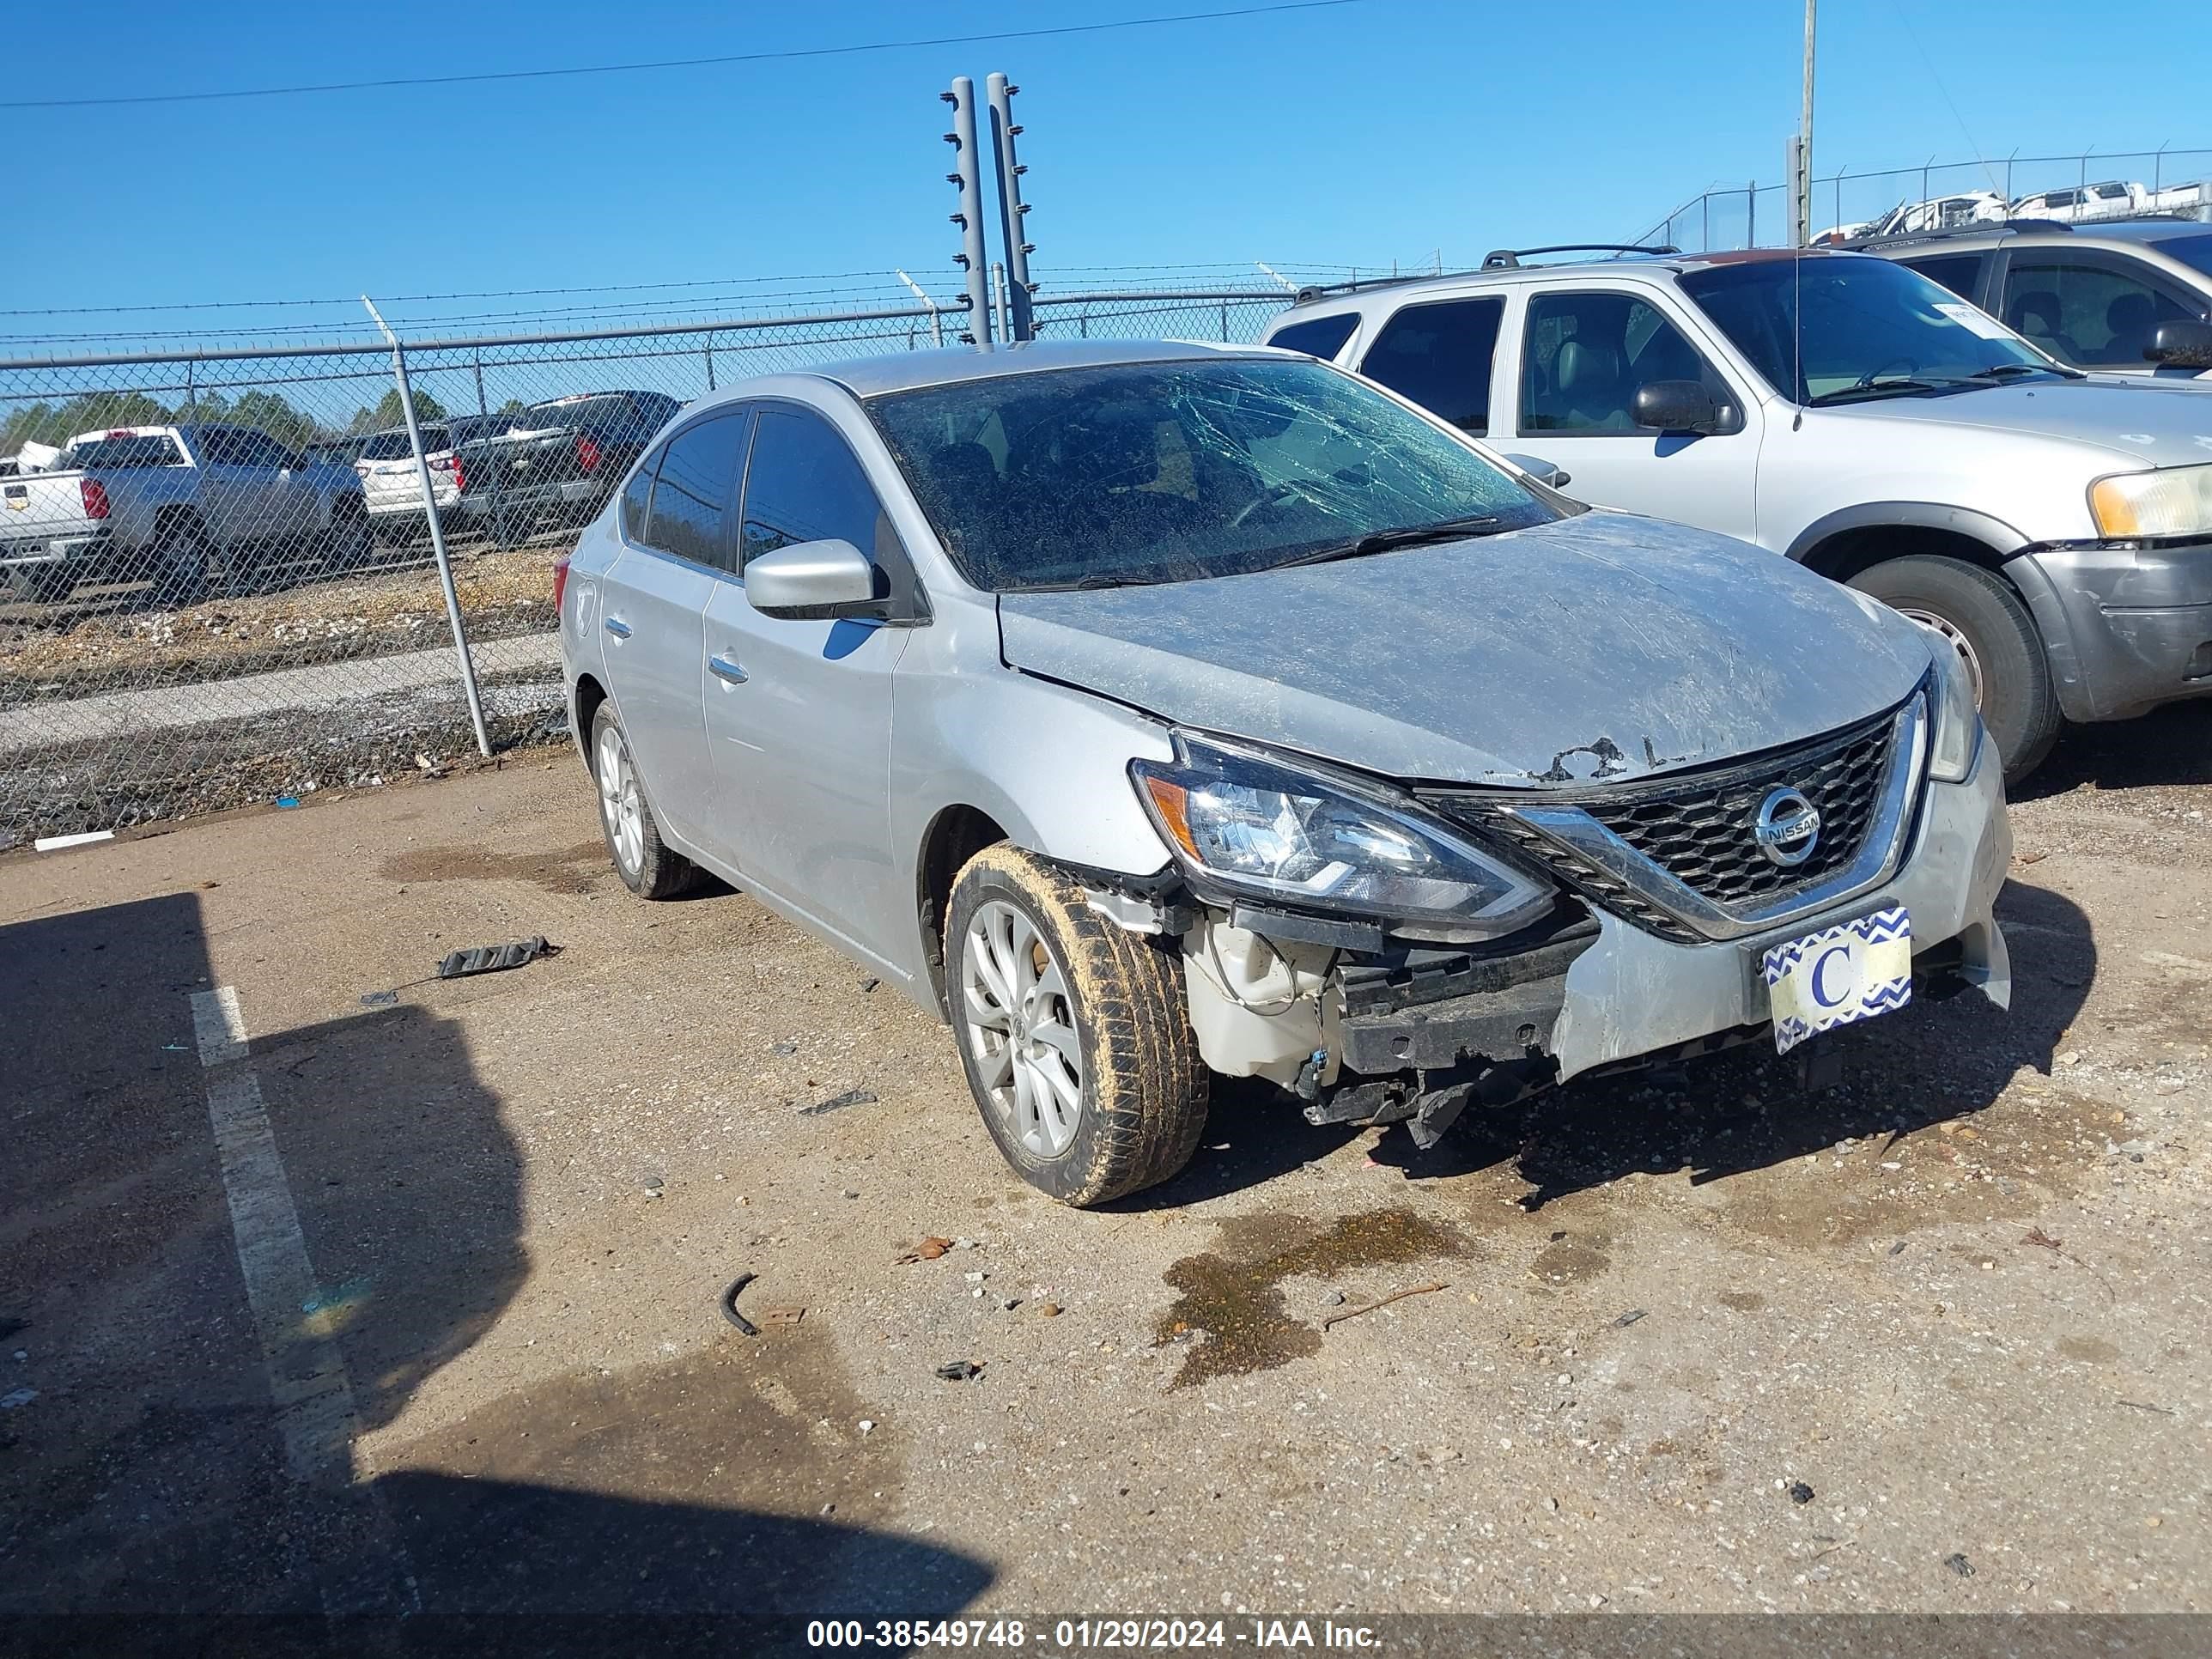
x=1846, y=411
x=1155, y=710
x=184, y=508
x=1971, y=207
x=332, y=452
x=31, y=457
x=392, y=487
x=2113, y=198
x=557, y=461
x=2096, y=296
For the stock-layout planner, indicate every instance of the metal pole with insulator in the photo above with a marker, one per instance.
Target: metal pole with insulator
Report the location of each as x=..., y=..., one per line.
x=1021, y=323
x=969, y=218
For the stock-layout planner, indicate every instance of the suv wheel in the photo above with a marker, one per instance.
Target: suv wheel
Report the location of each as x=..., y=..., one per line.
x=1074, y=1033
x=648, y=868
x=1977, y=614
x=348, y=544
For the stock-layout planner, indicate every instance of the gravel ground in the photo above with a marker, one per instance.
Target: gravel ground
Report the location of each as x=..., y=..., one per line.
x=1930, y=1342
x=182, y=750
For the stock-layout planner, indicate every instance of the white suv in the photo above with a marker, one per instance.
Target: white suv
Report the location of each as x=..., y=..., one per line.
x=2056, y=527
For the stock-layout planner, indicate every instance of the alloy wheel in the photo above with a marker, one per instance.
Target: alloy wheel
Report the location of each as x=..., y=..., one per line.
x=1021, y=1028
x=619, y=802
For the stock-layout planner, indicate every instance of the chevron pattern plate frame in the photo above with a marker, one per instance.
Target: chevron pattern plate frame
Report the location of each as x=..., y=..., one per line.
x=1850, y=972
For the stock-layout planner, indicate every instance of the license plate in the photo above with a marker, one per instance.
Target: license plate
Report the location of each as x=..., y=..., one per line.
x=1839, y=975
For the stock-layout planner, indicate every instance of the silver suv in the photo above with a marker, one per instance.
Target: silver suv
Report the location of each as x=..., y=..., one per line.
x=1155, y=711
x=2057, y=528
x=2131, y=297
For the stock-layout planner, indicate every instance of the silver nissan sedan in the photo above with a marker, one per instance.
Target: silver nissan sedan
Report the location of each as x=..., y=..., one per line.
x=1152, y=711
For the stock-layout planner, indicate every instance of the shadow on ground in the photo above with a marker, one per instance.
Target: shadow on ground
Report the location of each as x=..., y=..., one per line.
x=656, y=1507
x=2169, y=745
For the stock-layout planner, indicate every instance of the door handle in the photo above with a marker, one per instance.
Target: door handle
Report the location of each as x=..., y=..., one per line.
x=617, y=626
x=723, y=669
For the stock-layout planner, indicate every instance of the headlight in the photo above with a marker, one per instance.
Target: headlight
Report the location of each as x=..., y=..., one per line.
x=1245, y=823
x=2174, y=500
x=1954, y=734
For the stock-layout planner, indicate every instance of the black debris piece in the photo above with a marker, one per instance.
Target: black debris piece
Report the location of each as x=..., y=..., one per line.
x=495, y=958
x=1629, y=1318
x=838, y=1103
x=729, y=1304
x=960, y=1370
x=1800, y=1492
x=1959, y=1565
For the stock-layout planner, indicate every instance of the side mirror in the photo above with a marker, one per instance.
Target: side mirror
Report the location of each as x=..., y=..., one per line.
x=809, y=579
x=1543, y=472
x=1674, y=406
x=2180, y=345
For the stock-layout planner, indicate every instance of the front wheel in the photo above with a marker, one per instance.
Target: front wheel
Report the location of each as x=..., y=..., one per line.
x=1074, y=1033
x=348, y=544
x=181, y=574
x=648, y=868
x=1975, y=613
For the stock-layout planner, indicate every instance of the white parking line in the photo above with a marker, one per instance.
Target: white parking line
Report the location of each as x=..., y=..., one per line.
x=307, y=1379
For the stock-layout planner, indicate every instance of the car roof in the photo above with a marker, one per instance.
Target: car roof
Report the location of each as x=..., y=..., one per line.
x=1412, y=290
x=1968, y=237
x=907, y=371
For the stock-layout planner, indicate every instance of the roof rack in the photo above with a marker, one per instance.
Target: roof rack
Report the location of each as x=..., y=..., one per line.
x=1311, y=292
x=1510, y=258
x=1952, y=232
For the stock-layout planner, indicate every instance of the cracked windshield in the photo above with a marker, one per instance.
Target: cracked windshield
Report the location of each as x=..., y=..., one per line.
x=1125, y=475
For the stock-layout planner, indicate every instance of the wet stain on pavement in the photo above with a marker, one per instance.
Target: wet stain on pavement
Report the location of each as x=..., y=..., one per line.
x=1232, y=1303
x=568, y=872
x=2089, y=1350
x=1570, y=1258
x=1743, y=1301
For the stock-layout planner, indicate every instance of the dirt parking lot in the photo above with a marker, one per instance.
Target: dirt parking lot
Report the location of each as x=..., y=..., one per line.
x=409, y=1300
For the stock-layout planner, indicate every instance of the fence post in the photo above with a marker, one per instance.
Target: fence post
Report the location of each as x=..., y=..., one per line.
x=1750, y=214
x=1224, y=322
x=498, y=495
x=710, y=360
x=1706, y=223
x=437, y=534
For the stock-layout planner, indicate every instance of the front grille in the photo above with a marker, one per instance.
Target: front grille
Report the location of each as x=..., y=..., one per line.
x=1699, y=830
x=1699, y=826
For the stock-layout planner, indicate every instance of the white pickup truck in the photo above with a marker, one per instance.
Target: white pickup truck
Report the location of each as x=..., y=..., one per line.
x=184, y=507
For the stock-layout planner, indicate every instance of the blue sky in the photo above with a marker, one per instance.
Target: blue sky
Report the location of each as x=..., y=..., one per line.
x=1378, y=130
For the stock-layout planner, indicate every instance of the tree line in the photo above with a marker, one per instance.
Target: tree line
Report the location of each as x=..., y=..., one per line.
x=48, y=422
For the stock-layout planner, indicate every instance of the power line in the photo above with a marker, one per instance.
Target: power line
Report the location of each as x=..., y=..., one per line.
x=675, y=63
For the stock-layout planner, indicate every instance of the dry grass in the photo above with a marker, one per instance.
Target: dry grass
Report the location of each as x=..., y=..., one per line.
x=372, y=614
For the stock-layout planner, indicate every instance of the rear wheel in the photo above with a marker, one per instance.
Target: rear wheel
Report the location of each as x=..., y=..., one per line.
x=42, y=583
x=648, y=868
x=1074, y=1033
x=180, y=567
x=1976, y=614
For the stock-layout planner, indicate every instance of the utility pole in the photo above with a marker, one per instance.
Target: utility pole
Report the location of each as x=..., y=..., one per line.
x=1804, y=180
x=969, y=218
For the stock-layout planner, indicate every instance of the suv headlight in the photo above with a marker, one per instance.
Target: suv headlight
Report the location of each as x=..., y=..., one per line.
x=2174, y=500
x=1954, y=723
x=1245, y=824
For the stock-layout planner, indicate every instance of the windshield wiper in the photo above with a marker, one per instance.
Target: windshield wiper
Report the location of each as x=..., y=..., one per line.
x=1879, y=388
x=1381, y=541
x=1092, y=581
x=2004, y=371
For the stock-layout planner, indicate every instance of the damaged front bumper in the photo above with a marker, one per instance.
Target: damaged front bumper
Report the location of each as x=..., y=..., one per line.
x=1379, y=1035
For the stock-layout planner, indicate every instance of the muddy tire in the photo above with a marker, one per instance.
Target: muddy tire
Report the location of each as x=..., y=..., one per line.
x=648, y=868
x=1074, y=1033
x=1979, y=615
x=180, y=567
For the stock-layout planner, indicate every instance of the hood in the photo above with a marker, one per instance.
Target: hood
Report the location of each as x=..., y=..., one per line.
x=2151, y=422
x=1598, y=647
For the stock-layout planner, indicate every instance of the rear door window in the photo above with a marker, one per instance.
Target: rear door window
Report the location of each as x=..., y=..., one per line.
x=1440, y=355
x=1322, y=337
x=694, y=490
x=2097, y=313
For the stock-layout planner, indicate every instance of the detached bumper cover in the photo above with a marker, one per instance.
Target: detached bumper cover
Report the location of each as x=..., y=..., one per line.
x=1633, y=993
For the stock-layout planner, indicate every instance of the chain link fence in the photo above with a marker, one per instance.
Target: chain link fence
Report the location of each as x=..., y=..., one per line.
x=1944, y=195
x=218, y=585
